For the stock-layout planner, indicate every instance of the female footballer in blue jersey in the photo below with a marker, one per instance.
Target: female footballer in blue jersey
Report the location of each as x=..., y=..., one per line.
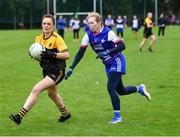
x=108, y=46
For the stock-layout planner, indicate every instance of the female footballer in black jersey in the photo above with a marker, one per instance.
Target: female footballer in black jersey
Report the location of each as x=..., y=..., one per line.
x=53, y=68
x=148, y=25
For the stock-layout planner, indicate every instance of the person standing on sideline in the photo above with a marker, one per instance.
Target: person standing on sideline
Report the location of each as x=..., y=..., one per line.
x=53, y=68
x=161, y=24
x=75, y=25
x=135, y=26
x=120, y=26
x=173, y=20
x=148, y=25
x=85, y=24
x=125, y=21
x=108, y=46
x=71, y=21
x=109, y=22
x=61, y=23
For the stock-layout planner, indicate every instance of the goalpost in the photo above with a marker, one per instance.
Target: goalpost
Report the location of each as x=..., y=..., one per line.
x=71, y=13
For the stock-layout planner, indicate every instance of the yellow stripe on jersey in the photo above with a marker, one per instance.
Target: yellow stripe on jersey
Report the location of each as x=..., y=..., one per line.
x=148, y=21
x=53, y=42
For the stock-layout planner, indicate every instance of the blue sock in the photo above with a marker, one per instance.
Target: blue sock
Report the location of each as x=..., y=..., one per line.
x=139, y=89
x=117, y=113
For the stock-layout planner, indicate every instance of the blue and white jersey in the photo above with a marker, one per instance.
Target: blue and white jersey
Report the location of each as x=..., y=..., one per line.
x=75, y=24
x=103, y=41
x=120, y=24
x=135, y=24
x=109, y=23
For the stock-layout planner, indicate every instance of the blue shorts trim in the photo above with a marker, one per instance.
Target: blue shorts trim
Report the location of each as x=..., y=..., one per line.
x=117, y=65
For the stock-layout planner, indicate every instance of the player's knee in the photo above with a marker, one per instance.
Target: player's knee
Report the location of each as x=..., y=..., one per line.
x=52, y=95
x=109, y=86
x=121, y=91
x=36, y=90
x=154, y=39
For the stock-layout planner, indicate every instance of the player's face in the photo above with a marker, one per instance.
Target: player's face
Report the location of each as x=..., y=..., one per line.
x=150, y=15
x=94, y=25
x=162, y=15
x=47, y=25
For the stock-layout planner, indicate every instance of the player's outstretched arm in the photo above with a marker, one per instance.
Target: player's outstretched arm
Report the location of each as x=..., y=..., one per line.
x=120, y=47
x=77, y=58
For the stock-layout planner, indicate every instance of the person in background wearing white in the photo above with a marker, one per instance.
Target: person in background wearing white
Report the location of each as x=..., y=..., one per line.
x=109, y=22
x=120, y=26
x=75, y=25
x=135, y=26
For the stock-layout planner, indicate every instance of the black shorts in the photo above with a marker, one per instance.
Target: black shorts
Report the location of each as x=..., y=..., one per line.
x=56, y=75
x=147, y=34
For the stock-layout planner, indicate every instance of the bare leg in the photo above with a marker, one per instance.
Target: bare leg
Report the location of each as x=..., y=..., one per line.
x=153, y=40
x=142, y=44
x=37, y=89
x=56, y=98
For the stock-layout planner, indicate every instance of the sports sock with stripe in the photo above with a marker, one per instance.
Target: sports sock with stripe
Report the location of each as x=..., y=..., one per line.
x=22, y=112
x=64, y=111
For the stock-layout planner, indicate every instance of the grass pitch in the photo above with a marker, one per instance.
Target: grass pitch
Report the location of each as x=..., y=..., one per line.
x=85, y=93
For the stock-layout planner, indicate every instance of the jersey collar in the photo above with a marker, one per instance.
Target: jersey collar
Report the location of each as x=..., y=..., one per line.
x=95, y=34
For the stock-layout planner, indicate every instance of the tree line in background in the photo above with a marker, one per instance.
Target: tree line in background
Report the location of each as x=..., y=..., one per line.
x=15, y=13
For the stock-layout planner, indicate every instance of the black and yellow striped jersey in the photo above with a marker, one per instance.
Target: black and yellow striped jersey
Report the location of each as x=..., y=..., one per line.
x=53, y=43
x=146, y=23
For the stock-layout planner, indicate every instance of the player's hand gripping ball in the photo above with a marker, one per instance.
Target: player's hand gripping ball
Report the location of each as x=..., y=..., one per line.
x=36, y=50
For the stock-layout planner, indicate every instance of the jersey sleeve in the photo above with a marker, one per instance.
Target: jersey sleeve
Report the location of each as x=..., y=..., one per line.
x=37, y=39
x=61, y=45
x=85, y=41
x=113, y=37
x=148, y=21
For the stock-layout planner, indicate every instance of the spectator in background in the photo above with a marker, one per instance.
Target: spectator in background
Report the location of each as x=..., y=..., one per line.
x=135, y=26
x=21, y=25
x=75, y=25
x=85, y=24
x=61, y=23
x=173, y=20
x=120, y=26
x=161, y=24
x=71, y=21
x=109, y=22
x=125, y=20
